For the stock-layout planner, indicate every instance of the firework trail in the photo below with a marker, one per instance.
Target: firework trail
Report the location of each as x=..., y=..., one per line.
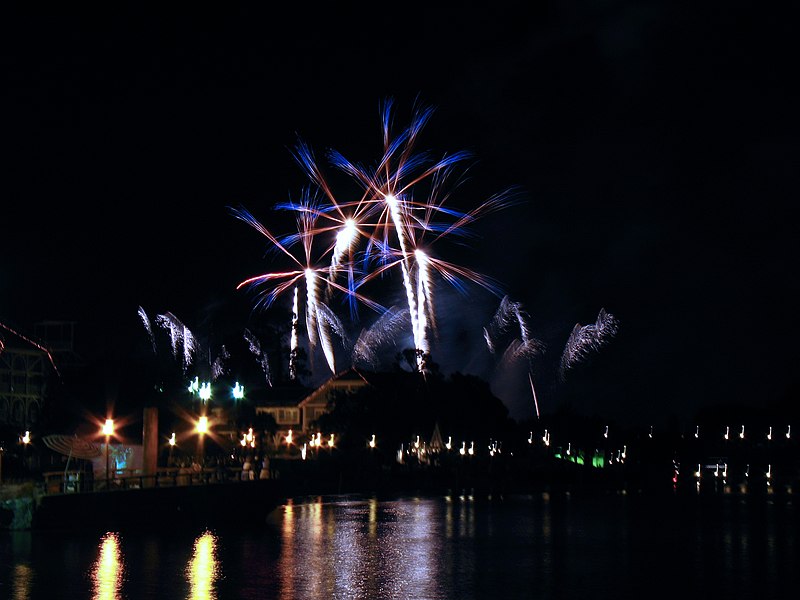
x=179, y=335
x=533, y=392
x=293, y=339
x=148, y=327
x=586, y=339
x=32, y=343
x=328, y=322
x=381, y=333
x=255, y=349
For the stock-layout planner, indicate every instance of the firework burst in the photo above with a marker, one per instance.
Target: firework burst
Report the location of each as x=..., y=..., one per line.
x=393, y=222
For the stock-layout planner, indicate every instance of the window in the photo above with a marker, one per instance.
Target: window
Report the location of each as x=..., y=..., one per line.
x=287, y=416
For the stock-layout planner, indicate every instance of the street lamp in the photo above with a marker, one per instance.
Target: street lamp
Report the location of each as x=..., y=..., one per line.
x=202, y=429
x=171, y=447
x=108, y=431
x=26, y=439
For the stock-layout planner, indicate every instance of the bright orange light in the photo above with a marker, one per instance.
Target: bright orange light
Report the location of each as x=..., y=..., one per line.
x=108, y=427
x=202, y=424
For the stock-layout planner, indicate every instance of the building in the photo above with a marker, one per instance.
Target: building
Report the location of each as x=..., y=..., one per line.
x=27, y=365
x=297, y=412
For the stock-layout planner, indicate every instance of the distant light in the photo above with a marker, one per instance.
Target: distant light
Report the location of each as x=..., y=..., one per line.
x=194, y=386
x=289, y=438
x=202, y=424
x=172, y=439
x=26, y=439
x=108, y=427
x=372, y=441
x=238, y=391
x=205, y=391
x=449, y=443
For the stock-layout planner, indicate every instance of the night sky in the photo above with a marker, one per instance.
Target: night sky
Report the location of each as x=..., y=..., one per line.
x=653, y=147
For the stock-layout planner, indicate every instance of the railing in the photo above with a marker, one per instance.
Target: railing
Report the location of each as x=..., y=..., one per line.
x=70, y=482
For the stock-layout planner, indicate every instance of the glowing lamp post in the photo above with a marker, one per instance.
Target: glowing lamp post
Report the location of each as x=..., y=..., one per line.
x=171, y=447
x=108, y=431
x=26, y=439
x=202, y=429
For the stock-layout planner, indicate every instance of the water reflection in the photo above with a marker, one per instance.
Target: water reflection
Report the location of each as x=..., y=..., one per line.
x=23, y=581
x=459, y=546
x=203, y=569
x=108, y=569
x=365, y=548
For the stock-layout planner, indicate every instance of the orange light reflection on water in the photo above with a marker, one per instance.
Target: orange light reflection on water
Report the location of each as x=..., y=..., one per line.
x=203, y=569
x=108, y=570
x=23, y=582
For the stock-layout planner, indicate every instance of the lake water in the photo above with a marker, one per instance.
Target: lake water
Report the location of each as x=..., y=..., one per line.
x=545, y=545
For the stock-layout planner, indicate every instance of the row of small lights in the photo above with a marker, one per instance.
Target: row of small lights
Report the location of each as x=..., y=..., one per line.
x=699, y=472
x=727, y=433
x=316, y=441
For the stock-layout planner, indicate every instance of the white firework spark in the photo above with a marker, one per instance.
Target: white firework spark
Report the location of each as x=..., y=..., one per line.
x=180, y=335
x=512, y=313
x=294, y=338
x=218, y=368
x=327, y=322
x=146, y=322
x=383, y=332
x=255, y=349
x=586, y=339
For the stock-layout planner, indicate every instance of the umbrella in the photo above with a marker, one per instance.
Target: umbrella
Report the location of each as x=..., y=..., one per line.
x=72, y=446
